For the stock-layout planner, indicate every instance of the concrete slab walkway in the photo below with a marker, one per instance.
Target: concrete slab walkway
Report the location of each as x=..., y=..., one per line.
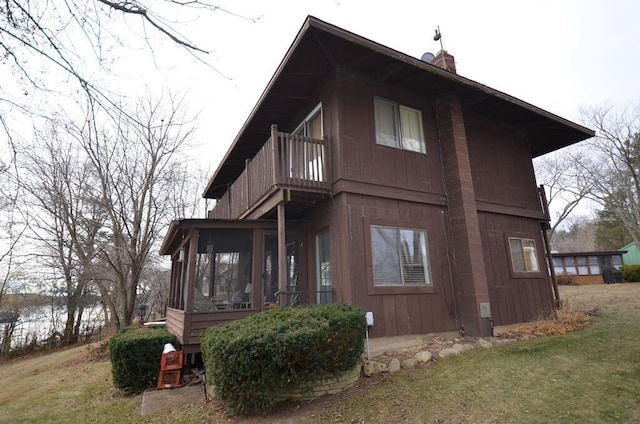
x=161, y=400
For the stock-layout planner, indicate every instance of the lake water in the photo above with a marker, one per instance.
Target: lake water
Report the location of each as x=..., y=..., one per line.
x=42, y=321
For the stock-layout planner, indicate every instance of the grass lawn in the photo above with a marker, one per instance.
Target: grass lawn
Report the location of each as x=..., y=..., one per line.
x=589, y=376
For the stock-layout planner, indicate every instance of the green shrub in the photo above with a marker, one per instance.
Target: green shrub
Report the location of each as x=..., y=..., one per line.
x=251, y=361
x=630, y=273
x=135, y=354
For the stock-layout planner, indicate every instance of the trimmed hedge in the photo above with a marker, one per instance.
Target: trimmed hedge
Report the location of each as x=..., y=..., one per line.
x=251, y=361
x=630, y=273
x=135, y=354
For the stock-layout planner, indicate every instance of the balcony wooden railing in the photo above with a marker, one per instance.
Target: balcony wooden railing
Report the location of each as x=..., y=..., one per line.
x=285, y=161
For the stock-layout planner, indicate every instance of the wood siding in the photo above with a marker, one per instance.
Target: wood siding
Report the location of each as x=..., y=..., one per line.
x=200, y=321
x=364, y=161
x=409, y=310
x=379, y=185
x=513, y=298
x=501, y=164
x=175, y=323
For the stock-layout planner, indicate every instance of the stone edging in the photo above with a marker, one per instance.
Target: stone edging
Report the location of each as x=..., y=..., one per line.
x=406, y=359
x=327, y=386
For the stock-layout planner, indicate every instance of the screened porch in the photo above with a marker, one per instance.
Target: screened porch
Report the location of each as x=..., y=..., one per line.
x=223, y=270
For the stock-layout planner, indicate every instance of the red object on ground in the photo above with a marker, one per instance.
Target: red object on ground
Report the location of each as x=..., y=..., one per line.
x=171, y=361
x=170, y=366
x=168, y=379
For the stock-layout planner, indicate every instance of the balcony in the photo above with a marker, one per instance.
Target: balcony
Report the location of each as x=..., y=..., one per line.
x=285, y=162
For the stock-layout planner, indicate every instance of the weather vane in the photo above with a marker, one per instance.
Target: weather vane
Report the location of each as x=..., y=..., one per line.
x=438, y=37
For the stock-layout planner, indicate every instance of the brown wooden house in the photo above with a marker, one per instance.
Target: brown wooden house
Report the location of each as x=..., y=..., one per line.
x=369, y=177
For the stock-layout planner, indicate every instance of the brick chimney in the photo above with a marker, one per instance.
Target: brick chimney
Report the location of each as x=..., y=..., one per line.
x=445, y=61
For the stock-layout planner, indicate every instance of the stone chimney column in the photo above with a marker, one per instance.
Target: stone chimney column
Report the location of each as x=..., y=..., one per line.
x=472, y=287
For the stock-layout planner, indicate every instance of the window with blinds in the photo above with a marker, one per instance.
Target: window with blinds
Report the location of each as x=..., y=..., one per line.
x=400, y=256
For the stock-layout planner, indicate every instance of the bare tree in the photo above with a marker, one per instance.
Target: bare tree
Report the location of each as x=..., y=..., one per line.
x=66, y=35
x=578, y=236
x=613, y=164
x=61, y=183
x=55, y=50
x=136, y=167
x=566, y=185
x=185, y=197
x=11, y=226
x=153, y=289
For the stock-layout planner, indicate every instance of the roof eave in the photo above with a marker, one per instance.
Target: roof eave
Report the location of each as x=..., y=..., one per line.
x=305, y=26
x=575, y=132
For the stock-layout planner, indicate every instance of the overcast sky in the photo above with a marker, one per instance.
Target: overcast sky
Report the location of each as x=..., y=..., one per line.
x=557, y=55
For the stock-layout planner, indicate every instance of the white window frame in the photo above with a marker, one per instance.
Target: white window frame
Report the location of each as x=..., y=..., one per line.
x=534, y=262
x=315, y=168
x=402, y=141
x=396, y=251
x=303, y=127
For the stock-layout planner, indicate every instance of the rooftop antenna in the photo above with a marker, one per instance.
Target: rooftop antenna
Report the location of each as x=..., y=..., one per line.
x=438, y=37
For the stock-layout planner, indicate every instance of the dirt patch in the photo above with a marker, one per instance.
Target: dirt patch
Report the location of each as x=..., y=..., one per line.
x=293, y=412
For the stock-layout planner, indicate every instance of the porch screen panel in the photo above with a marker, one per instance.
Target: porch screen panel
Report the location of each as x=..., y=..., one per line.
x=223, y=270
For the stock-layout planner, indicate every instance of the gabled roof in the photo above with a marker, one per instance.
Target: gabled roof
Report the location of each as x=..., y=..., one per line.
x=320, y=47
x=629, y=246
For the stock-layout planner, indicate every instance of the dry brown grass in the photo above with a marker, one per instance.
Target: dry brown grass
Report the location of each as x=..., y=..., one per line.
x=588, y=376
x=606, y=298
x=579, y=303
x=562, y=323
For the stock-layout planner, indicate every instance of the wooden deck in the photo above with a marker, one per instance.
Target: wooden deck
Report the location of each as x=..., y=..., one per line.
x=286, y=161
x=188, y=326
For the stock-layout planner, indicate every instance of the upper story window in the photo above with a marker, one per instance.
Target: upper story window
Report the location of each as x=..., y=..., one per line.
x=400, y=256
x=311, y=126
x=398, y=126
x=524, y=256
